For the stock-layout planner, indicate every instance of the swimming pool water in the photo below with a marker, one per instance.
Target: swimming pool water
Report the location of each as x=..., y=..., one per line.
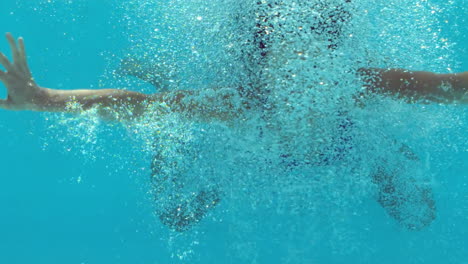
x=76, y=190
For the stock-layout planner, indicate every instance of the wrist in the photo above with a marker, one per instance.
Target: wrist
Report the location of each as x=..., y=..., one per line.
x=40, y=99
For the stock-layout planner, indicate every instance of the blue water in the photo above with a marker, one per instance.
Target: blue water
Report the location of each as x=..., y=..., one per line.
x=73, y=190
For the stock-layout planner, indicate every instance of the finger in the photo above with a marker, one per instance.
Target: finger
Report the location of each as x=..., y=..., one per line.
x=13, y=47
x=22, y=53
x=5, y=62
x=2, y=75
x=22, y=50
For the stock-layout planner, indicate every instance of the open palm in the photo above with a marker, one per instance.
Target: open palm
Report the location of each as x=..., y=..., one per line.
x=23, y=92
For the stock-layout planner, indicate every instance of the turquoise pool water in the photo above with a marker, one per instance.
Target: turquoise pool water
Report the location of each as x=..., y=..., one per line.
x=74, y=189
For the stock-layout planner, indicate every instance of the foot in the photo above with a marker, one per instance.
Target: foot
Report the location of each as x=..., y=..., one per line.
x=411, y=204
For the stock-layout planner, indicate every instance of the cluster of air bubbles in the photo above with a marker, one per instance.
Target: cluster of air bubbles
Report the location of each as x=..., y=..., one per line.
x=302, y=57
x=308, y=152
x=188, y=41
x=77, y=134
x=412, y=39
x=158, y=130
x=85, y=135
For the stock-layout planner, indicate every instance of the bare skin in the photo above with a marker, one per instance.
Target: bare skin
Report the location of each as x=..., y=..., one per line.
x=25, y=94
x=418, y=85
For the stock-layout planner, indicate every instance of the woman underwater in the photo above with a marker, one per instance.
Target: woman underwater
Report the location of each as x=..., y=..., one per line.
x=221, y=105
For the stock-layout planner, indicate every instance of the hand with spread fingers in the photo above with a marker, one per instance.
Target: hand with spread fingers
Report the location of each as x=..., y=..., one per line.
x=23, y=92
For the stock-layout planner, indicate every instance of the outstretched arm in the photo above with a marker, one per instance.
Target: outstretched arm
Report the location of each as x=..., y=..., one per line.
x=418, y=85
x=25, y=94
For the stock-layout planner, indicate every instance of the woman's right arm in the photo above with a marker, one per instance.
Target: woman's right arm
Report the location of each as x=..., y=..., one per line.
x=25, y=94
